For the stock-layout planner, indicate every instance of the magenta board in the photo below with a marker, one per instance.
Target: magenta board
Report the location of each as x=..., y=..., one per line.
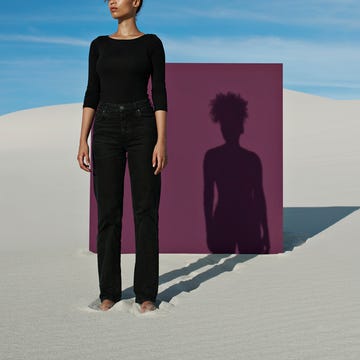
x=222, y=190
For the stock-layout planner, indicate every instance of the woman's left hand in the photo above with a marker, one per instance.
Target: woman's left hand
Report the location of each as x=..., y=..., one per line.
x=159, y=156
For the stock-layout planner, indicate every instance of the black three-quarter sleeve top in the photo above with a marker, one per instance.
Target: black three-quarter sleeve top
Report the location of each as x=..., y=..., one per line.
x=119, y=71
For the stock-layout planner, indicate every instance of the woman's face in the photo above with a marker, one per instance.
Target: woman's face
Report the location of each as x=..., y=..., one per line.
x=122, y=8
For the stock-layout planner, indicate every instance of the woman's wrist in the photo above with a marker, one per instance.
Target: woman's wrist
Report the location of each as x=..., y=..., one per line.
x=83, y=141
x=161, y=139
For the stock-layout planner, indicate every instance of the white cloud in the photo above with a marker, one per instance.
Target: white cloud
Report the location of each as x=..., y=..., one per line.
x=305, y=62
x=344, y=13
x=62, y=40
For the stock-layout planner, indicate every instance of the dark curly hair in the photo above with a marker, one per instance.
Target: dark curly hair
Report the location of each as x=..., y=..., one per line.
x=137, y=10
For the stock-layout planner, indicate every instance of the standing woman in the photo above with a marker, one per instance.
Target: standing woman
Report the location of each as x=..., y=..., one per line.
x=127, y=127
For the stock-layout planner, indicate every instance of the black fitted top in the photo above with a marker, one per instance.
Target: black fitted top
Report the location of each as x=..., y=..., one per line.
x=119, y=71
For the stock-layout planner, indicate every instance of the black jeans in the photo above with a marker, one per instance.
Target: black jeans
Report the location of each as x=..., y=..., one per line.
x=121, y=132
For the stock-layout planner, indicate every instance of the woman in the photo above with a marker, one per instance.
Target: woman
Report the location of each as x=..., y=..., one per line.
x=126, y=127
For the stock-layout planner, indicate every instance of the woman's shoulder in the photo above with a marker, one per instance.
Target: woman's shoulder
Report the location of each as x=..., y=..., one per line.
x=95, y=41
x=154, y=37
x=154, y=40
x=99, y=38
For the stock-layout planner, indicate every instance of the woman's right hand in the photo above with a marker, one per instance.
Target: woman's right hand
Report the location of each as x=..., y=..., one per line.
x=87, y=120
x=84, y=155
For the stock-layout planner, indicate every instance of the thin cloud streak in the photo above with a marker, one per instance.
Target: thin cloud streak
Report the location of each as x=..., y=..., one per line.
x=37, y=61
x=44, y=18
x=284, y=19
x=263, y=48
x=44, y=39
x=327, y=84
x=332, y=64
x=316, y=13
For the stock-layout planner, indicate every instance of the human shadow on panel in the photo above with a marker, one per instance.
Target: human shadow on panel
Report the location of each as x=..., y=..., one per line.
x=237, y=222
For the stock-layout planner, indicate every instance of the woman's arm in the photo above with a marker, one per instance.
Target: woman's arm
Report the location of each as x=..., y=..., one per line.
x=159, y=97
x=83, y=152
x=160, y=150
x=90, y=103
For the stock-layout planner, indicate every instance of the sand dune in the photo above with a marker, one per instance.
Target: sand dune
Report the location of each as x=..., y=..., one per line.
x=302, y=304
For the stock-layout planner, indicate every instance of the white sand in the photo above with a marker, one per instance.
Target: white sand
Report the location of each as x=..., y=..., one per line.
x=303, y=304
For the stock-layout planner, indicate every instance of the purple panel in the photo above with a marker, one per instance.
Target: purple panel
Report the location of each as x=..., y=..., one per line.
x=223, y=186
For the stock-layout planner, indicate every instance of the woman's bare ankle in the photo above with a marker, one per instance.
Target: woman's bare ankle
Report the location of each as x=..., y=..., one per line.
x=106, y=304
x=147, y=306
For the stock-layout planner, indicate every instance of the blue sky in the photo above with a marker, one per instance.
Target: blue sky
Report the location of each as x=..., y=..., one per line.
x=44, y=45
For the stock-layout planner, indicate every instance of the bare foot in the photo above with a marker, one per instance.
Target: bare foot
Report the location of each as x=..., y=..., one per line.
x=106, y=304
x=147, y=306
